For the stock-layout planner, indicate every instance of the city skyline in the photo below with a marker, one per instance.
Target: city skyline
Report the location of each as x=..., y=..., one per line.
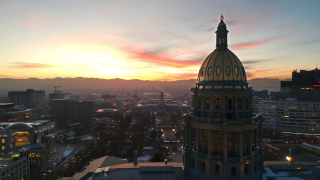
x=153, y=40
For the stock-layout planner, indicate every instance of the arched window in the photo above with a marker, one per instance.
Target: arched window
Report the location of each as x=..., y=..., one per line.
x=229, y=104
x=219, y=40
x=239, y=103
x=222, y=40
x=218, y=103
x=207, y=103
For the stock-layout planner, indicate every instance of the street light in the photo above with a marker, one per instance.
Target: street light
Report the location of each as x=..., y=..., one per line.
x=288, y=158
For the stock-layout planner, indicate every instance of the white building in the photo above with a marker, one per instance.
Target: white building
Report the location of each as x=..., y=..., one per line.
x=291, y=117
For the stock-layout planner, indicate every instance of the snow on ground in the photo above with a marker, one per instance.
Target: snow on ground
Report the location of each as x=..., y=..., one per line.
x=144, y=158
x=288, y=178
x=66, y=153
x=86, y=137
x=317, y=166
x=272, y=174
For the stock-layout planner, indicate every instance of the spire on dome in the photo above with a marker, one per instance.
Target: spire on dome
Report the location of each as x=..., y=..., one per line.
x=221, y=35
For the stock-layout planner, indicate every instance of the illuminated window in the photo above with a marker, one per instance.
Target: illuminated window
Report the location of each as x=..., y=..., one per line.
x=218, y=115
x=218, y=71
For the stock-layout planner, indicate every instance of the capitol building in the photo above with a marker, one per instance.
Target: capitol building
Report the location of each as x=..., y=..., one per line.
x=222, y=135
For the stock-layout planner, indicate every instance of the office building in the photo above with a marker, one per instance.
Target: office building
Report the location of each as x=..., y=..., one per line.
x=15, y=165
x=11, y=113
x=221, y=134
x=305, y=85
x=258, y=96
x=65, y=109
x=29, y=98
x=291, y=117
x=119, y=105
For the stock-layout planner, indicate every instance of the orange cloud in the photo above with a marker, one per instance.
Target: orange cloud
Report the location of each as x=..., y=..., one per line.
x=153, y=57
x=260, y=43
x=21, y=65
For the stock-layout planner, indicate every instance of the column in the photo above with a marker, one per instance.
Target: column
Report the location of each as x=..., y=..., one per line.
x=203, y=140
x=250, y=141
x=197, y=140
x=213, y=140
x=256, y=140
x=209, y=144
x=261, y=165
x=225, y=146
x=241, y=171
x=241, y=144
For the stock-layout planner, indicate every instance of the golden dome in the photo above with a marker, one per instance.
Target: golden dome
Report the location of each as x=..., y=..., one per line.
x=222, y=69
x=222, y=65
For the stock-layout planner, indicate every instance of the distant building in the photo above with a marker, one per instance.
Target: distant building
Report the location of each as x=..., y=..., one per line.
x=305, y=85
x=102, y=104
x=58, y=95
x=111, y=113
x=73, y=110
x=258, y=96
x=291, y=117
x=11, y=113
x=119, y=104
x=28, y=98
x=161, y=107
x=19, y=134
x=15, y=165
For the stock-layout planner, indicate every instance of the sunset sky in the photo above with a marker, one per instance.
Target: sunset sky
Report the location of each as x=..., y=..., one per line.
x=154, y=40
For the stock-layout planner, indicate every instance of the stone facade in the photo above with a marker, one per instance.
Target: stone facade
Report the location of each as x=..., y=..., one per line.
x=222, y=136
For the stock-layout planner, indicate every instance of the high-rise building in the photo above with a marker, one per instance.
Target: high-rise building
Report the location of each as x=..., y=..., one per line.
x=65, y=109
x=258, y=96
x=119, y=105
x=305, y=85
x=222, y=134
x=58, y=95
x=28, y=98
x=291, y=117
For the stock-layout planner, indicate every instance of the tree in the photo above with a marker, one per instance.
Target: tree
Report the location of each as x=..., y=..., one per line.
x=157, y=158
x=153, y=134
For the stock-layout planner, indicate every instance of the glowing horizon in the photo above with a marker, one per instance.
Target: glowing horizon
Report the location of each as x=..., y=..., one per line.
x=167, y=41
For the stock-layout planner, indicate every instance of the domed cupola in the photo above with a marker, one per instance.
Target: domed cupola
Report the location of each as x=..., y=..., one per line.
x=222, y=69
x=221, y=135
